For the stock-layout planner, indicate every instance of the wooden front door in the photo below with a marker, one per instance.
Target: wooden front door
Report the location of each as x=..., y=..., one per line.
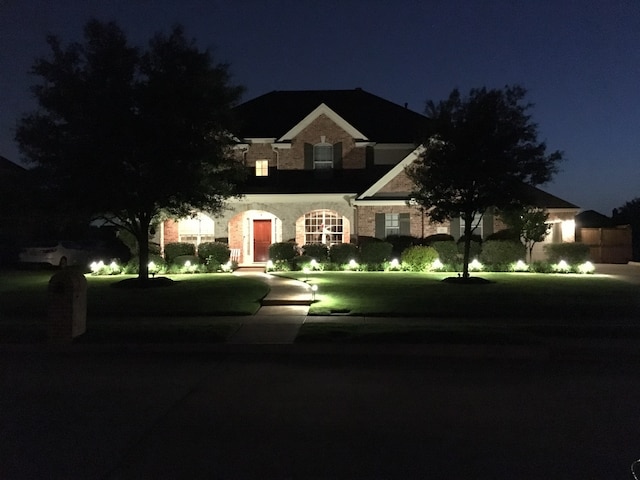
x=261, y=240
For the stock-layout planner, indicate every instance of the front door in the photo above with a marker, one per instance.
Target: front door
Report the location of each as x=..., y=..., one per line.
x=261, y=240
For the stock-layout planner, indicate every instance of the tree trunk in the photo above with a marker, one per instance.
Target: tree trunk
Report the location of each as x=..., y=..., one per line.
x=143, y=249
x=467, y=247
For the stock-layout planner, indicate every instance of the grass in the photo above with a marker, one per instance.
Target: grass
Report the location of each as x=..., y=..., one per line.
x=187, y=311
x=514, y=308
x=510, y=296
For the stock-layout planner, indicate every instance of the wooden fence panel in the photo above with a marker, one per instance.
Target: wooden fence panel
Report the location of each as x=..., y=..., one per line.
x=607, y=245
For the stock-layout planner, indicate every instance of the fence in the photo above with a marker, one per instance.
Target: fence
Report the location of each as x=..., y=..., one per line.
x=607, y=245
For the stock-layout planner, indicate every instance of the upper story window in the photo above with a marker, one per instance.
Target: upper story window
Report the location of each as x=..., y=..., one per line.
x=322, y=156
x=262, y=168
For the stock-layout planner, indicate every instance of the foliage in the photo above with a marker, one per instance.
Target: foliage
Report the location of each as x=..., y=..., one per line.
x=629, y=214
x=419, y=258
x=529, y=222
x=175, y=249
x=376, y=253
x=319, y=251
x=437, y=237
x=300, y=262
x=479, y=151
x=475, y=246
x=497, y=255
x=573, y=253
x=447, y=251
x=130, y=133
x=214, y=251
x=133, y=265
x=505, y=234
x=342, y=253
x=401, y=242
x=282, y=251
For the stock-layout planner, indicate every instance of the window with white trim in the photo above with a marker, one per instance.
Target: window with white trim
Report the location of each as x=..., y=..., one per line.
x=323, y=156
x=323, y=226
x=262, y=168
x=391, y=224
x=196, y=229
x=477, y=220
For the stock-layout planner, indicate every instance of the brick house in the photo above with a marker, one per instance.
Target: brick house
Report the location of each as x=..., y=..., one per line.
x=328, y=166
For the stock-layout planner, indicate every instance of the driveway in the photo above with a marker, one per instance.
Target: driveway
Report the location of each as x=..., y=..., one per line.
x=629, y=272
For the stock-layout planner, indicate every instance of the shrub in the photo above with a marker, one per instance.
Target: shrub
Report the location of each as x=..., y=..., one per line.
x=419, y=258
x=437, y=237
x=301, y=261
x=447, y=251
x=499, y=254
x=179, y=264
x=572, y=253
x=376, y=253
x=282, y=251
x=180, y=260
x=173, y=250
x=319, y=251
x=505, y=234
x=132, y=267
x=541, y=267
x=401, y=242
x=214, y=251
x=475, y=247
x=341, y=253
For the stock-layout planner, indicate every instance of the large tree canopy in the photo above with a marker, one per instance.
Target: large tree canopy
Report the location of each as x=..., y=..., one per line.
x=130, y=132
x=479, y=151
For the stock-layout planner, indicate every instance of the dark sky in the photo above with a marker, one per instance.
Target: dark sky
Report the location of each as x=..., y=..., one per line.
x=579, y=60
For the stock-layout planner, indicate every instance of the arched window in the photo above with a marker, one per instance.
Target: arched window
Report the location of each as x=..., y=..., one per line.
x=196, y=229
x=323, y=226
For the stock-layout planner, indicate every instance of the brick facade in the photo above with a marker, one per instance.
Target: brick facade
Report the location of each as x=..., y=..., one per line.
x=420, y=225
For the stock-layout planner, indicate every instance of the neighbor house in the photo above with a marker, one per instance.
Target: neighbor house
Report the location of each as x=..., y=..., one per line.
x=328, y=166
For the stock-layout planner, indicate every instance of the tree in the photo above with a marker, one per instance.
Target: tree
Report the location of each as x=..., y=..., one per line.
x=629, y=214
x=478, y=151
x=529, y=222
x=131, y=134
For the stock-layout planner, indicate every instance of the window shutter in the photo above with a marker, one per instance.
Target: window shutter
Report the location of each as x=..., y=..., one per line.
x=454, y=226
x=380, y=230
x=308, y=156
x=404, y=219
x=337, y=155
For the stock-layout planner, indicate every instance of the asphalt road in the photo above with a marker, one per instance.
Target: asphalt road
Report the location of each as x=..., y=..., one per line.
x=125, y=414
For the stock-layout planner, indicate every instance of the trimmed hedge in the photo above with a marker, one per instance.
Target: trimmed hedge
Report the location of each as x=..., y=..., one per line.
x=282, y=251
x=572, y=253
x=214, y=251
x=419, y=258
x=401, y=242
x=438, y=237
x=342, y=253
x=376, y=253
x=319, y=251
x=447, y=251
x=173, y=250
x=499, y=254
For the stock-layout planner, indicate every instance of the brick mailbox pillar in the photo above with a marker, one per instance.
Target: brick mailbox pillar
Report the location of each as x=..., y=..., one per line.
x=67, y=306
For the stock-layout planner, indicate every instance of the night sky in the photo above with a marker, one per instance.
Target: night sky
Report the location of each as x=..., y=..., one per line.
x=579, y=60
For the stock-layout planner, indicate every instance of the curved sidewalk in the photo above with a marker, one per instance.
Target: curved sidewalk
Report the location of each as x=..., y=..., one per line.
x=283, y=311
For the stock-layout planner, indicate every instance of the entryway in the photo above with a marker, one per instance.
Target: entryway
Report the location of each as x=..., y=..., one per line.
x=261, y=240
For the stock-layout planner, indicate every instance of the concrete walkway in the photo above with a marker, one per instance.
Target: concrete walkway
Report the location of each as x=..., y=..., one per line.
x=283, y=311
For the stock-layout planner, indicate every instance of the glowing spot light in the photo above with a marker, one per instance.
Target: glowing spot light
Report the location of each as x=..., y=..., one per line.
x=586, y=267
x=475, y=265
x=437, y=264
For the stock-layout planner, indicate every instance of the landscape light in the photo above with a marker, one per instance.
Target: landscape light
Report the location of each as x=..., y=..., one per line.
x=187, y=264
x=520, y=266
x=314, y=289
x=269, y=264
x=586, y=267
x=353, y=264
x=475, y=265
x=561, y=266
x=314, y=263
x=437, y=264
x=394, y=263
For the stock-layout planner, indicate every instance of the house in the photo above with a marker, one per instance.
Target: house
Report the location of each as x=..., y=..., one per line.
x=328, y=166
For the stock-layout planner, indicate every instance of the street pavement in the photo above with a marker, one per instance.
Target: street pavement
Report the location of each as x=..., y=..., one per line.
x=176, y=414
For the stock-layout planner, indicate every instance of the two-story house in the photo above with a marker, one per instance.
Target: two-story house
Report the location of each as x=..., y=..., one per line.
x=328, y=166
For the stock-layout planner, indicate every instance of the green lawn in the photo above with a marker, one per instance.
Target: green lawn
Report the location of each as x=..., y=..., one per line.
x=511, y=296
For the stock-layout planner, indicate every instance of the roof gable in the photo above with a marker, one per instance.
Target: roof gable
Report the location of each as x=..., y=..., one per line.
x=322, y=109
x=275, y=114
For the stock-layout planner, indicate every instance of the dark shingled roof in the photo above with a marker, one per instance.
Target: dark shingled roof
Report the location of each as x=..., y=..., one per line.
x=314, y=181
x=274, y=114
x=542, y=199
